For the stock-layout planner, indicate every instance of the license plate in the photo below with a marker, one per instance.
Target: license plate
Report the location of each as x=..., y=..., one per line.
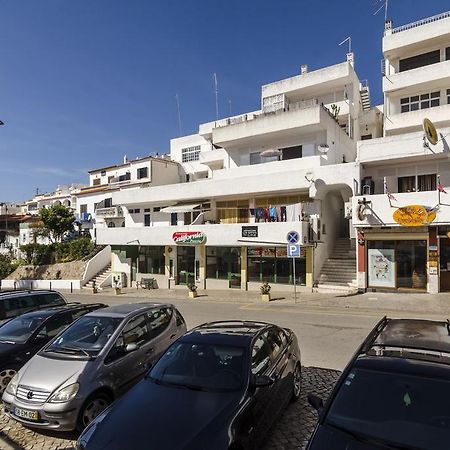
x=25, y=414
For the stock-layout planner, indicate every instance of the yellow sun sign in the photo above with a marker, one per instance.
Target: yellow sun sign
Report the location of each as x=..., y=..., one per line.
x=414, y=216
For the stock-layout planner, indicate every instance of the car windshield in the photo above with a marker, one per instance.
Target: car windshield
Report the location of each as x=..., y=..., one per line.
x=402, y=411
x=19, y=330
x=201, y=366
x=86, y=337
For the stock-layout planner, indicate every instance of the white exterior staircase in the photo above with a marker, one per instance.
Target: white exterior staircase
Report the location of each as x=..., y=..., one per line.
x=99, y=278
x=339, y=270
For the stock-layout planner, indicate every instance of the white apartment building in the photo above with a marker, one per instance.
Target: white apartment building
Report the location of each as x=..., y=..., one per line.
x=401, y=215
x=248, y=180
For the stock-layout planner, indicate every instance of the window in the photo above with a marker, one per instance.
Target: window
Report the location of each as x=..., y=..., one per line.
x=134, y=211
x=173, y=219
x=292, y=152
x=159, y=320
x=156, y=209
x=260, y=355
x=83, y=209
x=96, y=182
x=233, y=211
x=224, y=263
x=147, y=210
x=190, y=154
x=142, y=173
x=136, y=331
x=424, y=59
x=108, y=202
x=50, y=300
x=103, y=173
x=275, y=344
x=55, y=325
x=18, y=305
x=125, y=177
x=407, y=184
x=447, y=54
x=448, y=96
x=147, y=221
x=423, y=101
x=426, y=182
x=151, y=260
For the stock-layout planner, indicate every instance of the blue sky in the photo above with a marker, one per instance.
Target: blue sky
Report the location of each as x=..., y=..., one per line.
x=84, y=82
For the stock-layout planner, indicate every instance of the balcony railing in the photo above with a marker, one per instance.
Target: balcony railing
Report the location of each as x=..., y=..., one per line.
x=113, y=211
x=419, y=23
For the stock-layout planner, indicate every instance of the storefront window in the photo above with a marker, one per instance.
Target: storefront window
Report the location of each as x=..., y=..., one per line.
x=151, y=260
x=224, y=263
x=272, y=264
x=397, y=264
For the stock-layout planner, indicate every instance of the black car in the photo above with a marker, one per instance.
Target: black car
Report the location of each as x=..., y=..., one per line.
x=220, y=386
x=14, y=303
x=394, y=393
x=23, y=336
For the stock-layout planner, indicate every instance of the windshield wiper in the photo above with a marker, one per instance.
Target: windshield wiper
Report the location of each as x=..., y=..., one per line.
x=182, y=385
x=7, y=342
x=68, y=350
x=371, y=440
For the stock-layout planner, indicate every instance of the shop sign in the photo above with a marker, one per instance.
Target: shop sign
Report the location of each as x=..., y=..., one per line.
x=189, y=237
x=414, y=216
x=249, y=232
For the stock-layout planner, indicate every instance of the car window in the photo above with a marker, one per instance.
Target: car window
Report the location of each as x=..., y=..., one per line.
x=159, y=320
x=275, y=344
x=260, y=355
x=50, y=300
x=283, y=337
x=117, y=351
x=20, y=329
x=180, y=318
x=55, y=324
x=16, y=305
x=136, y=331
x=80, y=312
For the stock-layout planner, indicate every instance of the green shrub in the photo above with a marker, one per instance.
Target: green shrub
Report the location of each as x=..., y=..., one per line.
x=7, y=266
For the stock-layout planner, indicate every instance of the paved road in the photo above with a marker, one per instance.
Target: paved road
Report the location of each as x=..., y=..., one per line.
x=327, y=340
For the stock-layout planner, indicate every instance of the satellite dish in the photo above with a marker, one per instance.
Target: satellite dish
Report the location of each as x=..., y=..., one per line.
x=323, y=148
x=430, y=131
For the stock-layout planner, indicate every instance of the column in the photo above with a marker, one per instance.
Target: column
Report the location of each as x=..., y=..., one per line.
x=244, y=268
x=309, y=266
x=433, y=261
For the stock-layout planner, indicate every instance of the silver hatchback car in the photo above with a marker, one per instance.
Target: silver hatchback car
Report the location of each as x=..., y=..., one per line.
x=92, y=362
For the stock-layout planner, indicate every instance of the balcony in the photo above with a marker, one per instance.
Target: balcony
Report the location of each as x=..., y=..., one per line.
x=380, y=210
x=433, y=76
x=412, y=121
x=109, y=213
x=256, y=129
x=398, y=147
x=216, y=234
x=213, y=158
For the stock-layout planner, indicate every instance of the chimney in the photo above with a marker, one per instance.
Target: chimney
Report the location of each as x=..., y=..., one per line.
x=125, y=159
x=351, y=58
x=388, y=27
x=303, y=69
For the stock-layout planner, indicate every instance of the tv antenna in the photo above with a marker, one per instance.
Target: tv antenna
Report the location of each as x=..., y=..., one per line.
x=216, y=92
x=385, y=5
x=177, y=98
x=349, y=40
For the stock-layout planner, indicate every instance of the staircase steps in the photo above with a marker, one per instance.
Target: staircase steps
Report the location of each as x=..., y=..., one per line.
x=99, y=278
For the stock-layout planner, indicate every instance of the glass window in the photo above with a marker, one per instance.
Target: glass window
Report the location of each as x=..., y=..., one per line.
x=190, y=154
x=223, y=262
x=292, y=152
x=159, y=320
x=407, y=184
x=206, y=367
x=447, y=54
x=20, y=329
x=423, y=101
x=17, y=305
x=173, y=219
x=83, y=209
x=426, y=182
x=424, y=59
x=448, y=96
x=55, y=325
x=151, y=260
x=142, y=172
x=261, y=355
x=50, y=300
x=275, y=344
x=147, y=220
x=384, y=405
x=136, y=331
x=411, y=260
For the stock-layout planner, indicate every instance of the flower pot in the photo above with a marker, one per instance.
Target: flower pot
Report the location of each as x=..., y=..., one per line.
x=193, y=294
x=265, y=297
x=117, y=291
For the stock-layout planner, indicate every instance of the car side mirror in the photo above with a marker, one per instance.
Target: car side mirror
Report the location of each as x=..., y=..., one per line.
x=41, y=337
x=316, y=402
x=131, y=347
x=263, y=381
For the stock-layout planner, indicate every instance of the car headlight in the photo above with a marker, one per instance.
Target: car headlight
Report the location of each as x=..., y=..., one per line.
x=12, y=385
x=65, y=394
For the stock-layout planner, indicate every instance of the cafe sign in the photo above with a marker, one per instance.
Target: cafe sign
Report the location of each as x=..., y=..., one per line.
x=189, y=237
x=414, y=215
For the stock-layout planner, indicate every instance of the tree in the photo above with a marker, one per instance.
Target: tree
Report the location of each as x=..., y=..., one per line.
x=6, y=266
x=54, y=223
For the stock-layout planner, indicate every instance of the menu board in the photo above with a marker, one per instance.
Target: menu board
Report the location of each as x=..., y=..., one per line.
x=381, y=265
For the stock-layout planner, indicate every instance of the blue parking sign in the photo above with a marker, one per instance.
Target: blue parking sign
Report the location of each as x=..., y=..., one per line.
x=293, y=250
x=293, y=237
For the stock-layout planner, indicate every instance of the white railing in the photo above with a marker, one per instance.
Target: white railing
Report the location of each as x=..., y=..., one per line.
x=113, y=211
x=419, y=23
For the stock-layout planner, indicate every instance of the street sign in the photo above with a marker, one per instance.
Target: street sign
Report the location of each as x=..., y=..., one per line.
x=293, y=237
x=293, y=250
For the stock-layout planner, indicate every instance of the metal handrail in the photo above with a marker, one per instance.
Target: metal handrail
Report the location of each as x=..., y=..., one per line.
x=419, y=23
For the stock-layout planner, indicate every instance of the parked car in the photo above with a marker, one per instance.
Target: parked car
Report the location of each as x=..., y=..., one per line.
x=14, y=303
x=22, y=337
x=220, y=386
x=394, y=393
x=92, y=362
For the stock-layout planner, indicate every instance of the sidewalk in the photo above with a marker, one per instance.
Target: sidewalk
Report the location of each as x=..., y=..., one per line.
x=379, y=303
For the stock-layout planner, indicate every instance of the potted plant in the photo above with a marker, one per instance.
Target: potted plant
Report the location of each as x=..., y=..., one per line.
x=265, y=292
x=192, y=290
x=94, y=287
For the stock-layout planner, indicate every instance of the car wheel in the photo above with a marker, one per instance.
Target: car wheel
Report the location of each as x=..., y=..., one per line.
x=297, y=383
x=93, y=406
x=5, y=377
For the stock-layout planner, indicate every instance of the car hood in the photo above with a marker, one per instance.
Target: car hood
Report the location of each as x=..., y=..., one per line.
x=327, y=438
x=165, y=418
x=48, y=373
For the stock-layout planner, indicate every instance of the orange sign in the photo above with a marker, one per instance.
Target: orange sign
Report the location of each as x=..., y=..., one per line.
x=414, y=216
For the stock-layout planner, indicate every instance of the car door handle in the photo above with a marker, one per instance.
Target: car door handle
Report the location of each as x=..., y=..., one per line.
x=173, y=335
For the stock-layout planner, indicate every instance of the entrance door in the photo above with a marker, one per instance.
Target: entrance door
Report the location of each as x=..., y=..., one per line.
x=186, y=265
x=444, y=264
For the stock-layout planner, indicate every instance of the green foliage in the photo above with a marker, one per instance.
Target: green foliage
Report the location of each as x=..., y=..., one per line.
x=54, y=223
x=265, y=288
x=7, y=265
x=38, y=254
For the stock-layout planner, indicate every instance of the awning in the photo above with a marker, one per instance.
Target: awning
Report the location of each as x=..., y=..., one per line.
x=180, y=208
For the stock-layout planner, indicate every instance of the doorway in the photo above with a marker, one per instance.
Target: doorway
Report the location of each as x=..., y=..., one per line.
x=186, y=265
x=444, y=264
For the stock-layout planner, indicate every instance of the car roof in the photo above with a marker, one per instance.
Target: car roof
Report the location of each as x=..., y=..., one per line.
x=53, y=310
x=128, y=309
x=19, y=292
x=230, y=332
x=409, y=338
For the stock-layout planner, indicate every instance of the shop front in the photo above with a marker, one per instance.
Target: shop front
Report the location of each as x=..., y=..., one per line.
x=224, y=263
